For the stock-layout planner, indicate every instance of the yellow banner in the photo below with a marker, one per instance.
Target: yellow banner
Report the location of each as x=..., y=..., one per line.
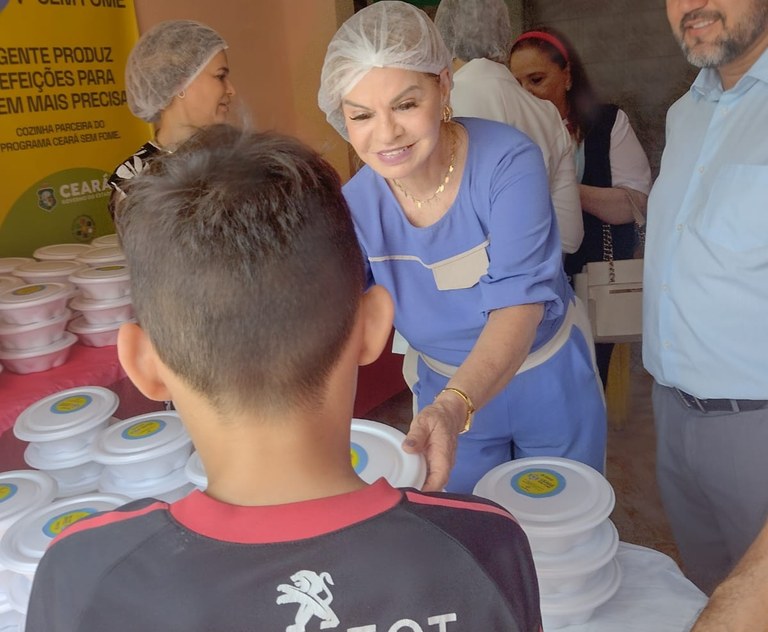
x=64, y=124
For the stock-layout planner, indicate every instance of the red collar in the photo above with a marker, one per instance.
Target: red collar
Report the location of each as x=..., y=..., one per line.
x=282, y=523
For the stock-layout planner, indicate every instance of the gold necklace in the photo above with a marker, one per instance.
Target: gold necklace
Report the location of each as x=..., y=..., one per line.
x=445, y=180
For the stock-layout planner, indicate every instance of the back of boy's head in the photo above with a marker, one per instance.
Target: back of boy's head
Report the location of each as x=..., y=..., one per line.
x=245, y=269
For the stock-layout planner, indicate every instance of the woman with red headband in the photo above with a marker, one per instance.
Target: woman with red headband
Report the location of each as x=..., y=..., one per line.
x=611, y=166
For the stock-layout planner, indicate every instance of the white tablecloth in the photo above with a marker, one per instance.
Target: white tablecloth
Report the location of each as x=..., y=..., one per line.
x=654, y=596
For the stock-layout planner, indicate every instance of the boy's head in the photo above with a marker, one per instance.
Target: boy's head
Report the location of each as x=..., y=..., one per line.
x=246, y=272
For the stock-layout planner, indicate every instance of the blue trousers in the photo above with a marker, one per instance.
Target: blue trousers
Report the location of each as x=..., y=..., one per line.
x=554, y=409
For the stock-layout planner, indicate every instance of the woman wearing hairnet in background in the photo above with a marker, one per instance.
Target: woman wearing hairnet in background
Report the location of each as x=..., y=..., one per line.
x=176, y=77
x=455, y=220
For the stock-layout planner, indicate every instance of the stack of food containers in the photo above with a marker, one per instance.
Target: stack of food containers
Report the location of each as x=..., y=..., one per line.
x=21, y=491
x=33, y=320
x=375, y=451
x=563, y=507
x=60, y=429
x=104, y=303
x=145, y=456
x=25, y=541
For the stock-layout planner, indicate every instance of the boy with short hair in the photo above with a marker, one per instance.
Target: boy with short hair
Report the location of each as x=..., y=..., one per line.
x=248, y=288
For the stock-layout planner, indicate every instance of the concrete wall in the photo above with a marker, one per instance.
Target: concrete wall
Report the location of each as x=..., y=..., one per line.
x=629, y=53
x=276, y=51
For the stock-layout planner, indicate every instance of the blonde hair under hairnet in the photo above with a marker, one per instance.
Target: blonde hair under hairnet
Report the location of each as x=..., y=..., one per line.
x=164, y=61
x=475, y=29
x=383, y=35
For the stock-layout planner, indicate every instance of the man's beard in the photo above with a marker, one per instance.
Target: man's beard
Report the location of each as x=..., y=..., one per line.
x=731, y=43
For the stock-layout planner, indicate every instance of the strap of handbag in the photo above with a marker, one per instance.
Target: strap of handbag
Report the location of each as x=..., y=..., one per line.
x=608, y=235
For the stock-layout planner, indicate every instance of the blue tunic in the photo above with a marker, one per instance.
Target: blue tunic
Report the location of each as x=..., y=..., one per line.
x=497, y=246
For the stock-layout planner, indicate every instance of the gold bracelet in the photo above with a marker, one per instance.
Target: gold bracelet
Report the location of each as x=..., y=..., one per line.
x=467, y=401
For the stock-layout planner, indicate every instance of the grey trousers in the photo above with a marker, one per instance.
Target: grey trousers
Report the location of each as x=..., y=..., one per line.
x=712, y=471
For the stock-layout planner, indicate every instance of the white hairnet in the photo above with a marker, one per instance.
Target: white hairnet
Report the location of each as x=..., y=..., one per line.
x=383, y=35
x=165, y=60
x=473, y=29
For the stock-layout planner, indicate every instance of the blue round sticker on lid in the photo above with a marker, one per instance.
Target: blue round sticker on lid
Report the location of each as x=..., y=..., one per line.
x=57, y=524
x=7, y=491
x=359, y=457
x=143, y=429
x=538, y=483
x=71, y=404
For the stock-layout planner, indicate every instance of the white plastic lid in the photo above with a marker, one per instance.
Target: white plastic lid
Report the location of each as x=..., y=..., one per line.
x=10, y=328
x=145, y=488
x=8, y=264
x=376, y=452
x=67, y=340
x=140, y=439
x=83, y=304
x=102, y=255
x=47, y=268
x=597, y=591
x=22, y=491
x=116, y=272
x=8, y=282
x=581, y=559
x=105, y=240
x=81, y=326
x=195, y=471
x=27, y=539
x=66, y=414
x=549, y=496
x=60, y=252
x=34, y=294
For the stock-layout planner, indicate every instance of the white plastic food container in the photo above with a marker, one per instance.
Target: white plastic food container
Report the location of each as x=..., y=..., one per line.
x=102, y=256
x=47, y=271
x=33, y=335
x=74, y=472
x=570, y=572
x=558, y=611
x=196, y=472
x=60, y=252
x=113, y=310
x=40, y=358
x=22, y=491
x=143, y=448
x=26, y=540
x=103, y=282
x=376, y=452
x=8, y=282
x=169, y=488
x=106, y=240
x=65, y=423
x=95, y=335
x=9, y=264
x=558, y=502
x=20, y=589
x=10, y=618
x=34, y=303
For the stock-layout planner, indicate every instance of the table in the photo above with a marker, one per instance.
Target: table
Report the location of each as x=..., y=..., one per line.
x=92, y=366
x=654, y=595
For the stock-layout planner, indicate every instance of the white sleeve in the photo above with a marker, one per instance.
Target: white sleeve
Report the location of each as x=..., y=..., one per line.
x=565, y=193
x=629, y=164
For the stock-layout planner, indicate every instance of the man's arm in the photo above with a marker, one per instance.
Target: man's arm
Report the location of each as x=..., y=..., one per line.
x=740, y=603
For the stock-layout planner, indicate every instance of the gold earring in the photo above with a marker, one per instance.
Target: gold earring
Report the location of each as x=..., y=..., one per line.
x=447, y=113
x=182, y=94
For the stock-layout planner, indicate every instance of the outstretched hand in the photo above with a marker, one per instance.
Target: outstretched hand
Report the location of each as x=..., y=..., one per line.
x=434, y=433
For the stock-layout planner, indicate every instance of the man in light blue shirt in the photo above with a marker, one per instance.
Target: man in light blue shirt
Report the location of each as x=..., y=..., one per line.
x=706, y=289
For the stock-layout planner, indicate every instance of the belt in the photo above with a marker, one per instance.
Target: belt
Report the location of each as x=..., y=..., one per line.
x=720, y=405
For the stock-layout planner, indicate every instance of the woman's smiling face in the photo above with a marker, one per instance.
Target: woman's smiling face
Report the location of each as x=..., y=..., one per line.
x=393, y=119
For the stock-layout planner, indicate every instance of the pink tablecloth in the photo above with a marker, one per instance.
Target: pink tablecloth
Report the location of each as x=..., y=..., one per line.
x=89, y=366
